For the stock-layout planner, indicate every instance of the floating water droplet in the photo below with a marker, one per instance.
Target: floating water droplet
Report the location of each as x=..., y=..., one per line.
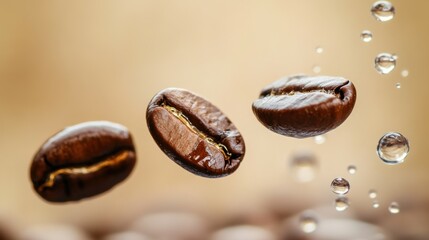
x=317, y=69
x=375, y=204
x=308, y=223
x=320, y=139
x=351, y=169
x=372, y=194
x=340, y=186
x=303, y=166
x=393, y=148
x=384, y=63
x=394, y=208
x=366, y=36
x=319, y=50
x=383, y=11
x=404, y=73
x=398, y=85
x=341, y=204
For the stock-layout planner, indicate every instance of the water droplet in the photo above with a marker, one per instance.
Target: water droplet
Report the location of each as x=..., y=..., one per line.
x=304, y=166
x=308, y=223
x=317, y=69
x=351, y=169
x=366, y=36
x=320, y=139
x=375, y=204
x=372, y=194
x=383, y=11
x=404, y=73
x=393, y=148
x=398, y=85
x=319, y=50
x=384, y=63
x=341, y=204
x=340, y=186
x=394, y=208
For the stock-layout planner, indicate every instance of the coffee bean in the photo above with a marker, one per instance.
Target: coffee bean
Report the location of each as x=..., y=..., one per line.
x=82, y=161
x=303, y=106
x=194, y=133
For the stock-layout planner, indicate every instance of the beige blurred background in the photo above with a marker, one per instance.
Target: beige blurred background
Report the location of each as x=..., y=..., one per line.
x=65, y=62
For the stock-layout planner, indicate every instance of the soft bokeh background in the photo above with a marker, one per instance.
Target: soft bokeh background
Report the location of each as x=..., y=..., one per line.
x=65, y=62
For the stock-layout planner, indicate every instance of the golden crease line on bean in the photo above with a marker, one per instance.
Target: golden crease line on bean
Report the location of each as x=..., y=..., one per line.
x=179, y=115
x=83, y=170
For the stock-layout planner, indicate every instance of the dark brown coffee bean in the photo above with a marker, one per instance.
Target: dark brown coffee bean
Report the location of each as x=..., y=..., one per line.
x=194, y=133
x=303, y=106
x=82, y=161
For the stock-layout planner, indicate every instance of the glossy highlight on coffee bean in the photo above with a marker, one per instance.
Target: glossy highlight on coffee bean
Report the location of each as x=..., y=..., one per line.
x=194, y=133
x=304, y=106
x=82, y=161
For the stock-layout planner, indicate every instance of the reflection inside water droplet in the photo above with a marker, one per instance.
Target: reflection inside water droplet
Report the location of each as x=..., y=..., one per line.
x=366, y=36
x=383, y=11
x=394, y=208
x=384, y=63
x=340, y=186
x=393, y=148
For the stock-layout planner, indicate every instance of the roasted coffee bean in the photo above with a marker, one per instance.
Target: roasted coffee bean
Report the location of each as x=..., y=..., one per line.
x=82, y=161
x=303, y=106
x=194, y=133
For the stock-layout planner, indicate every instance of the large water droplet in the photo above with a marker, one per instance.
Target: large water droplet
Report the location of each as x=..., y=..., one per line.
x=304, y=166
x=372, y=194
x=351, y=169
x=366, y=36
x=320, y=139
x=383, y=11
x=341, y=204
x=340, y=186
x=393, y=148
x=308, y=223
x=404, y=73
x=394, y=208
x=319, y=50
x=384, y=63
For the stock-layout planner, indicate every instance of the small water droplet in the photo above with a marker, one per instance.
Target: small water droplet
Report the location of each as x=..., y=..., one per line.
x=383, y=11
x=398, y=85
x=340, y=186
x=341, y=204
x=351, y=169
x=319, y=50
x=320, y=139
x=366, y=36
x=393, y=148
x=317, y=69
x=304, y=166
x=375, y=204
x=404, y=73
x=384, y=63
x=372, y=194
x=308, y=223
x=394, y=208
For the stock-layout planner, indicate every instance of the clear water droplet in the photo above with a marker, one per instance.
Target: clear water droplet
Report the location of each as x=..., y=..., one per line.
x=394, y=208
x=320, y=139
x=304, y=166
x=317, y=69
x=404, y=73
x=351, y=169
x=372, y=194
x=341, y=204
x=383, y=11
x=398, y=85
x=308, y=223
x=384, y=63
x=366, y=36
x=375, y=204
x=393, y=148
x=340, y=186
x=319, y=50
